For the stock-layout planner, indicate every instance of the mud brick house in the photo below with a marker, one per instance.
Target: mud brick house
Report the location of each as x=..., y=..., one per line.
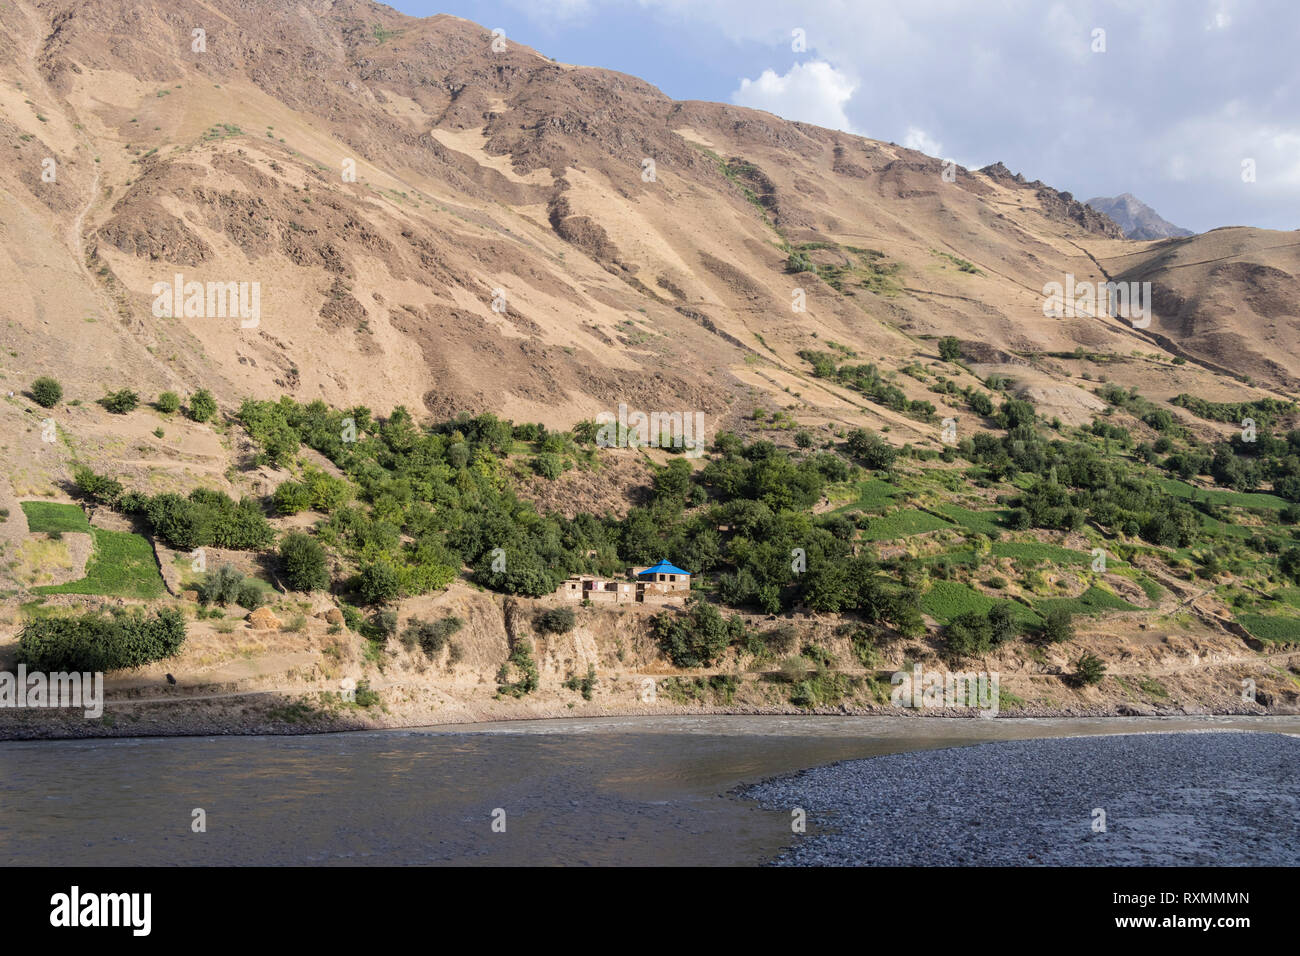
x=662, y=583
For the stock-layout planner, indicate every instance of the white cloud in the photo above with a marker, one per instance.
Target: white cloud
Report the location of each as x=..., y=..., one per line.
x=813, y=92
x=919, y=139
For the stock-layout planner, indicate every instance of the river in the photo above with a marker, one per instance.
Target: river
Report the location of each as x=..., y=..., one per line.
x=637, y=790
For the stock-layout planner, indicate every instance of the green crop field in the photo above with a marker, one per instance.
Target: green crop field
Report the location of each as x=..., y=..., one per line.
x=982, y=522
x=51, y=516
x=947, y=599
x=872, y=495
x=1095, y=600
x=899, y=524
x=123, y=565
x=1036, y=551
x=1283, y=630
x=1219, y=496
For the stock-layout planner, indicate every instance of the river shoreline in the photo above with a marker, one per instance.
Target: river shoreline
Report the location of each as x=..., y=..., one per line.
x=208, y=718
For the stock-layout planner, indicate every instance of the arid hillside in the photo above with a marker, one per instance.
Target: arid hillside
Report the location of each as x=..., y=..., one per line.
x=435, y=221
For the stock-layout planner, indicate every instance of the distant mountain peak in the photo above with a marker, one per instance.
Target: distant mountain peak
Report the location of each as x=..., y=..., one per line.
x=1136, y=218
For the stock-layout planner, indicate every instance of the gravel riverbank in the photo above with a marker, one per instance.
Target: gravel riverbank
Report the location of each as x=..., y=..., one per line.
x=1228, y=799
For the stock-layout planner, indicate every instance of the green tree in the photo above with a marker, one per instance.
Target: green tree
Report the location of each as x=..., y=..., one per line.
x=1003, y=626
x=697, y=638
x=47, y=392
x=950, y=348
x=120, y=402
x=557, y=620
x=1058, y=626
x=1089, y=669
x=202, y=406
x=304, y=563
x=168, y=402
x=379, y=581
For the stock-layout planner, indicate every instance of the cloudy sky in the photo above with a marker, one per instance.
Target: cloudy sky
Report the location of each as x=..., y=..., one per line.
x=1174, y=102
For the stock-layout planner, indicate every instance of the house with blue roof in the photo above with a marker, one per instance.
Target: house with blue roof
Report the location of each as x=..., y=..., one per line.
x=661, y=583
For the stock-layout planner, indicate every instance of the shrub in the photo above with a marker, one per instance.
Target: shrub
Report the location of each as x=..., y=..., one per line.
x=583, y=685
x=47, y=392
x=1003, y=626
x=222, y=586
x=558, y=620
x=1058, y=627
x=365, y=696
x=950, y=348
x=548, y=466
x=699, y=637
x=120, y=402
x=379, y=581
x=249, y=595
x=202, y=406
x=968, y=633
x=168, y=402
x=303, y=560
x=1089, y=669
x=94, y=642
x=98, y=488
x=522, y=664
x=431, y=636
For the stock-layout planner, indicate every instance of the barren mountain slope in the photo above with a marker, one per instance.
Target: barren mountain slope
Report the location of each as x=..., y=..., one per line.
x=485, y=176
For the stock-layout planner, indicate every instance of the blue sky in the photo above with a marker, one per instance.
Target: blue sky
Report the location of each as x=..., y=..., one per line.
x=1176, y=102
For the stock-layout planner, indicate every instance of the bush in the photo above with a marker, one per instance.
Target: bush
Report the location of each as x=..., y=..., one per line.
x=121, y=401
x=968, y=633
x=168, y=402
x=699, y=637
x=1003, y=626
x=558, y=620
x=46, y=392
x=303, y=560
x=950, y=348
x=202, y=406
x=1089, y=670
x=222, y=586
x=94, y=642
x=583, y=685
x=431, y=636
x=1058, y=626
x=522, y=664
x=249, y=595
x=379, y=582
x=365, y=696
x=98, y=488
x=548, y=466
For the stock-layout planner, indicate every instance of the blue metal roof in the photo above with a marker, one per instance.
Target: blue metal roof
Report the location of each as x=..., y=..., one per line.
x=663, y=567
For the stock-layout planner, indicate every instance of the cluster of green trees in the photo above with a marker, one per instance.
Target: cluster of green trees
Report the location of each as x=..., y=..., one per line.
x=100, y=642
x=868, y=380
x=203, y=518
x=1262, y=411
